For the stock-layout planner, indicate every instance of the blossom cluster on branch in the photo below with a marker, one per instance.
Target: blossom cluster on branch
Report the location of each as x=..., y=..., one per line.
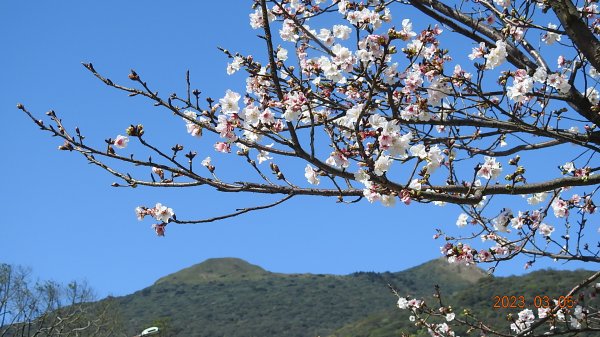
x=379, y=107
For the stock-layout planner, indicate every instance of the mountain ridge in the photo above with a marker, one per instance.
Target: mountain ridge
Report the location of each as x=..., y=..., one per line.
x=229, y=268
x=223, y=268
x=234, y=298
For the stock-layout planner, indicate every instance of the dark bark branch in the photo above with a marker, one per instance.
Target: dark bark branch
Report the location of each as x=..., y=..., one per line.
x=451, y=17
x=577, y=30
x=587, y=43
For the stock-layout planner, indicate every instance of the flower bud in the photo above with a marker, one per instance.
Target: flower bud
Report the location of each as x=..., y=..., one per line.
x=66, y=146
x=133, y=76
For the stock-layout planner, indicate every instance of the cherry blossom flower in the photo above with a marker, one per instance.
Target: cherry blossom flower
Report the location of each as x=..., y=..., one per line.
x=496, y=56
x=294, y=102
x=558, y=82
x=592, y=95
x=406, y=33
x=337, y=159
x=343, y=57
x=390, y=74
x=256, y=18
x=502, y=3
x=478, y=51
x=263, y=156
x=389, y=200
x=192, y=127
x=560, y=208
x=412, y=81
x=415, y=184
x=326, y=36
x=289, y=31
x=162, y=213
x=370, y=191
x=575, y=323
x=522, y=84
x=206, y=162
x=561, y=61
x=405, y=197
x=415, y=303
x=341, y=32
x=442, y=329
x=282, y=54
x=544, y=312
x=159, y=229
x=235, y=65
x=229, y=103
x=438, y=90
x=251, y=114
x=484, y=255
x=225, y=127
x=502, y=220
x=361, y=176
x=516, y=32
x=579, y=312
x=141, y=212
x=159, y=172
x=490, y=169
x=545, y=230
x=525, y=318
x=223, y=147
x=462, y=220
x=537, y=198
x=382, y=164
x=386, y=16
x=540, y=75
x=568, y=167
x=589, y=11
x=121, y=141
x=418, y=150
x=311, y=175
x=267, y=117
x=410, y=112
x=551, y=37
x=402, y=303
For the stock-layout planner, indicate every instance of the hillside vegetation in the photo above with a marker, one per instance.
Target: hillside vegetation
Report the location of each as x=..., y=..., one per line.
x=231, y=297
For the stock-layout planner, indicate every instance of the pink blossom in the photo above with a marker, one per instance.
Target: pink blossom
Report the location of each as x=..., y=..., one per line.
x=405, y=197
x=560, y=208
x=415, y=303
x=337, y=159
x=478, y=51
x=159, y=229
x=484, y=255
x=223, y=147
x=490, y=169
x=226, y=126
x=121, y=141
x=267, y=117
x=546, y=230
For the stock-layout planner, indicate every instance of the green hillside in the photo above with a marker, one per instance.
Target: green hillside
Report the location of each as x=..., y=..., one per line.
x=478, y=298
x=231, y=297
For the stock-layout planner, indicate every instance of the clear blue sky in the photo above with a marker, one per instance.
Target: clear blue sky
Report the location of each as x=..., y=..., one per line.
x=62, y=218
